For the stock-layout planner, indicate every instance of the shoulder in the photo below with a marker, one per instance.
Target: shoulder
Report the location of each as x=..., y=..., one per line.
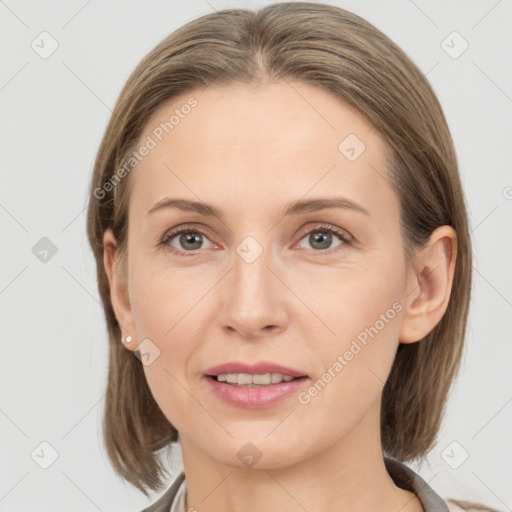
x=163, y=504
x=406, y=478
x=453, y=507
x=466, y=506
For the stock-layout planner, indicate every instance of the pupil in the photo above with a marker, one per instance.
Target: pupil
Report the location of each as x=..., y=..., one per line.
x=317, y=238
x=191, y=238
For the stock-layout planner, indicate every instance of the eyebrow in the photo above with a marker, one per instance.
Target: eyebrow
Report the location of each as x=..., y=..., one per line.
x=293, y=208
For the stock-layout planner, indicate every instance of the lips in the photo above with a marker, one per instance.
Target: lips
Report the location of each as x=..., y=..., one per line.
x=254, y=396
x=259, y=368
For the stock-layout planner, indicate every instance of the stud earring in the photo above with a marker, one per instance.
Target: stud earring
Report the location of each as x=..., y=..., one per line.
x=128, y=339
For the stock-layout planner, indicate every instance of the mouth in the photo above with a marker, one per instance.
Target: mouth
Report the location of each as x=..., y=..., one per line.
x=255, y=390
x=263, y=384
x=254, y=380
x=254, y=386
x=263, y=373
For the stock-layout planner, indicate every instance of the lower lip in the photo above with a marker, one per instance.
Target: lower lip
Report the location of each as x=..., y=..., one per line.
x=255, y=397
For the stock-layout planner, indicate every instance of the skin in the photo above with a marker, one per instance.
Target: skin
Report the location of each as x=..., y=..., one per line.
x=249, y=151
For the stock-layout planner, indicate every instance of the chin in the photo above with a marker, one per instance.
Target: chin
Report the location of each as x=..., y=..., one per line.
x=258, y=453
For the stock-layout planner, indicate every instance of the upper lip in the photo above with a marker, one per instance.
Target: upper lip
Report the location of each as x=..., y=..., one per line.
x=259, y=368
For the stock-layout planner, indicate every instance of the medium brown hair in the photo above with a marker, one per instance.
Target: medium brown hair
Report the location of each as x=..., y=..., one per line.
x=342, y=53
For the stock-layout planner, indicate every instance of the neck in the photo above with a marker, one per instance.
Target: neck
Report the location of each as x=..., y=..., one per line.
x=349, y=475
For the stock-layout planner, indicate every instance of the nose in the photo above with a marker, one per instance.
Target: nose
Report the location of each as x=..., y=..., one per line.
x=252, y=302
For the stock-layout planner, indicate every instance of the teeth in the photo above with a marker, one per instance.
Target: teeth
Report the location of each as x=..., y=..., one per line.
x=246, y=379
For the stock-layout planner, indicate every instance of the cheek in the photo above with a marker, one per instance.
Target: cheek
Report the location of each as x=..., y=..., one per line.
x=162, y=300
x=364, y=311
x=358, y=301
x=169, y=309
x=354, y=367
x=165, y=317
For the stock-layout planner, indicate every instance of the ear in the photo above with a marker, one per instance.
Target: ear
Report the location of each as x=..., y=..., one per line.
x=429, y=286
x=118, y=290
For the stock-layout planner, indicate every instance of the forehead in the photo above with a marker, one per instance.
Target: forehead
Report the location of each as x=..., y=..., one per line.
x=285, y=137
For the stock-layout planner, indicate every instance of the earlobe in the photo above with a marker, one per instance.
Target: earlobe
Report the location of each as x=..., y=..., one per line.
x=429, y=285
x=119, y=296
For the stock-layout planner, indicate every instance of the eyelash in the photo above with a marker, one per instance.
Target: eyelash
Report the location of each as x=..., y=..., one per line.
x=324, y=228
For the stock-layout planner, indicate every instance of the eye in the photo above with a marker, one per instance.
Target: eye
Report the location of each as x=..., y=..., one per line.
x=184, y=240
x=320, y=238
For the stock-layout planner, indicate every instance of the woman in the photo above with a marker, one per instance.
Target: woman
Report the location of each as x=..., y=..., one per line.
x=282, y=241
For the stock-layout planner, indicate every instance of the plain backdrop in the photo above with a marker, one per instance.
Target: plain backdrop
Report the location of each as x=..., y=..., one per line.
x=54, y=109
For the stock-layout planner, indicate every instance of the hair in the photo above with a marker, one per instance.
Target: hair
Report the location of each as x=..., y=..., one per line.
x=343, y=54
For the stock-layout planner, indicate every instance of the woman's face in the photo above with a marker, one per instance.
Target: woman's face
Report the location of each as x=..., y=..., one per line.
x=274, y=278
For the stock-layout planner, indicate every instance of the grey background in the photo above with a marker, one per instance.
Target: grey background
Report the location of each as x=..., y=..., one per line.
x=54, y=111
